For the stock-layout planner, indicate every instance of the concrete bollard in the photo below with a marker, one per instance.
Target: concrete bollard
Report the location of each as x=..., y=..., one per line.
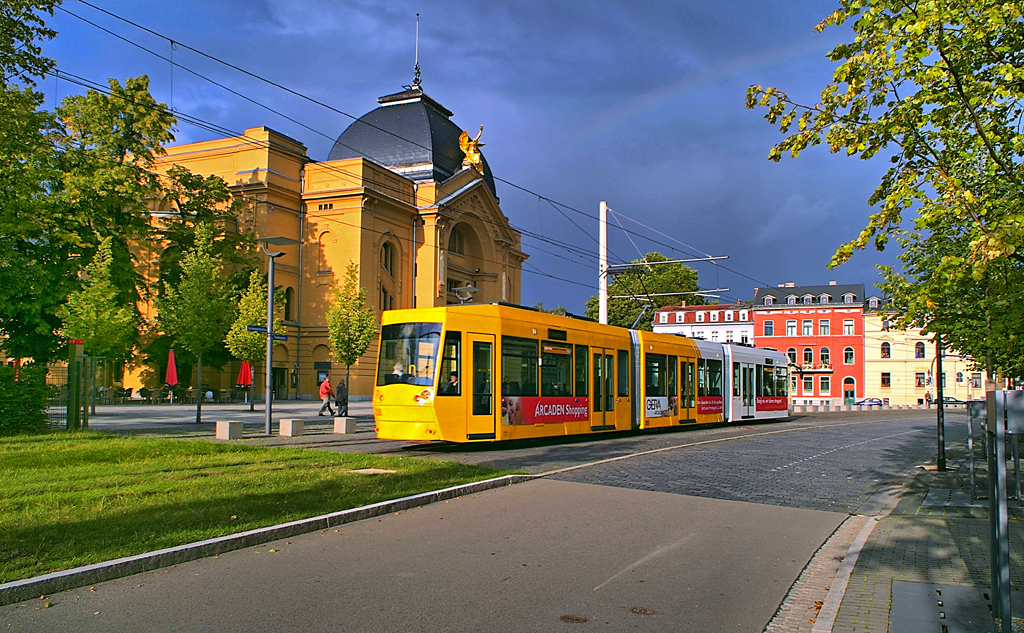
x=344, y=426
x=290, y=428
x=229, y=429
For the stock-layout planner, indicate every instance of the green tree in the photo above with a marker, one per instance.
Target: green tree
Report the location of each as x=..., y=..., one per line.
x=638, y=282
x=198, y=311
x=252, y=310
x=935, y=88
x=93, y=314
x=351, y=325
x=539, y=307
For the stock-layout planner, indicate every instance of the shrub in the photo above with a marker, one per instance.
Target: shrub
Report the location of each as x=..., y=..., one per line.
x=23, y=401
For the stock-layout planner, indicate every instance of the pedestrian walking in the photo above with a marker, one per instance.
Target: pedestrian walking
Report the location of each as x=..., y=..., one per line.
x=325, y=395
x=341, y=398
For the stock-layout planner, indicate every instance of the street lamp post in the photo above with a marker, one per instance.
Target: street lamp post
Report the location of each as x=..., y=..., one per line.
x=277, y=241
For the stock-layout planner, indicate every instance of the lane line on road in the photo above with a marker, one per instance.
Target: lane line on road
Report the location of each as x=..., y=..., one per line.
x=876, y=439
x=656, y=553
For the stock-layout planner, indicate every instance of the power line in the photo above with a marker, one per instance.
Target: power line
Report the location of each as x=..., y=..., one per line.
x=354, y=118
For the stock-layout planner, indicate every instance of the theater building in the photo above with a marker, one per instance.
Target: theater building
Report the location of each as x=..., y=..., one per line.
x=397, y=195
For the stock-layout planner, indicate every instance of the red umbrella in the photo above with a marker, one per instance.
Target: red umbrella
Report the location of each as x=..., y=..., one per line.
x=171, y=380
x=244, y=375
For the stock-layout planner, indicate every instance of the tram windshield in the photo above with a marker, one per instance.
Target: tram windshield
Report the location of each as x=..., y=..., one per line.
x=408, y=353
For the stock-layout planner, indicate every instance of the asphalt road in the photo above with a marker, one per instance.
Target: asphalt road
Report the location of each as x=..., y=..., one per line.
x=705, y=530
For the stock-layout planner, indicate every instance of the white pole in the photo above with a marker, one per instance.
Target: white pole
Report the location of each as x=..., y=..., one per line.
x=602, y=267
x=268, y=409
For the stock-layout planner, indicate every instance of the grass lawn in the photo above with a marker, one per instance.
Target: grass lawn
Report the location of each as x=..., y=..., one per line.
x=71, y=499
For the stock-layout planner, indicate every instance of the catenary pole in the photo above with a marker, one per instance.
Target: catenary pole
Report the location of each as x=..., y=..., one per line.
x=602, y=267
x=940, y=413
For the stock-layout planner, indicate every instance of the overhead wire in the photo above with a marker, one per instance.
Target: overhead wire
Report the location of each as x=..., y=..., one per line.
x=175, y=43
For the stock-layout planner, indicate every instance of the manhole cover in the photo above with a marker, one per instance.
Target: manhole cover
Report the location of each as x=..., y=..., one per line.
x=573, y=619
x=642, y=611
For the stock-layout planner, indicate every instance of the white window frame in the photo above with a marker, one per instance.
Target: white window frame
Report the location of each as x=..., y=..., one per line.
x=764, y=327
x=848, y=297
x=849, y=328
x=743, y=315
x=791, y=300
x=849, y=352
x=728, y=336
x=807, y=328
x=714, y=317
x=805, y=391
x=769, y=301
x=791, y=327
x=825, y=298
x=700, y=317
x=728, y=315
x=808, y=300
x=824, y=327
x=825, y=385
x=663, y=317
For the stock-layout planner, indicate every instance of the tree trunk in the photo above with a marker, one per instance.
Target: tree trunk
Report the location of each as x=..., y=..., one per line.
x=199, y=397
x=89, y=370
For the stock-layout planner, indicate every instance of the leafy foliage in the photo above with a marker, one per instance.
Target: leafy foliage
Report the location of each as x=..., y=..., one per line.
x=351, y=325
x=641, y=280
x=23, y=401
x=21, y=26
x=92, y=313
x=252, y=310
x=936, y=88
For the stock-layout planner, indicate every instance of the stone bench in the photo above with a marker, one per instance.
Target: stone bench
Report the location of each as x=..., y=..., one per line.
x=289, y=428
x=344, y=425
x=229, y=429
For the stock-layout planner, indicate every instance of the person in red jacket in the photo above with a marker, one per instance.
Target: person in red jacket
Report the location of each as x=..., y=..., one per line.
x=325, y=394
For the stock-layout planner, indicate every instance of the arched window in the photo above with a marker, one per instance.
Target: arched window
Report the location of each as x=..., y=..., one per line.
x=824, y=356
x=326, y=241
x=386, y=300
x=849, y=388
x=457, y=241
x=825, y=298
x=791, y=352
x=387, y=257
x=886, y=350
x=808, y=356
x=808, y=300
x=791, y=300
x=769, y=300
x=848, y=356
x=919, y=350
x=289, y=295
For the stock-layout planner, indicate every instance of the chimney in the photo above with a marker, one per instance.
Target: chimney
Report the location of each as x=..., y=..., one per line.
x=684, y=304
x=831, y=283
x=782, y=285
x=791, y=284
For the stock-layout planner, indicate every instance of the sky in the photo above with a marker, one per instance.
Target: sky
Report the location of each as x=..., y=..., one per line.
x=641, y=105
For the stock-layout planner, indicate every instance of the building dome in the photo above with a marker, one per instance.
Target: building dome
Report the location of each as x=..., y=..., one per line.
x=410, y=134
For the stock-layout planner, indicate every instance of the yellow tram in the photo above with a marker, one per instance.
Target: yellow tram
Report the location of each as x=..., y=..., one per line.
x=502, y=372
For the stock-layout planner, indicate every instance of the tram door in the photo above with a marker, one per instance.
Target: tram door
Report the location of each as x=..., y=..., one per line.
x=482, y=414
x=747, y=407
x=603, y=397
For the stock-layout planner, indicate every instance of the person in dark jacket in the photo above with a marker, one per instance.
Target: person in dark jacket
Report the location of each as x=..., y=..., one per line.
x=341, y=398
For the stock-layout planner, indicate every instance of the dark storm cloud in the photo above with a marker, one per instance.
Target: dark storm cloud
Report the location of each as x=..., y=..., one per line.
x=639, y=104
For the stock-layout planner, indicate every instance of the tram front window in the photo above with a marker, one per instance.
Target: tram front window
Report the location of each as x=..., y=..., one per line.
x=408, y=353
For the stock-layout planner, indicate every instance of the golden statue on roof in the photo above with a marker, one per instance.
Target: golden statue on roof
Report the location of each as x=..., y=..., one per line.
x=471, y=147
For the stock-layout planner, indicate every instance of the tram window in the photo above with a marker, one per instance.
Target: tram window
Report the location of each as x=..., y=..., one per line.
x=581, y=370
x=408, y=352
x=781, y=383
x=768, y=384
x=598, y=383
x=759, y=380
x=736, y=380
x=555, y=369
x=518, y=366
x=654, y=375
x=714, y=377
x=624, y=372
x=450, y=375
x=672, y=383
x=702, y=377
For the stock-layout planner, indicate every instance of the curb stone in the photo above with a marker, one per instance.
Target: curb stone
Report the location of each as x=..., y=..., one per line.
x=20, y=590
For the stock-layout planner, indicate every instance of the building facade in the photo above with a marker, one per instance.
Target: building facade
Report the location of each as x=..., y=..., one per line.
x=401, y=196
x=731, y=323
x=901, y=369
x=821, y=329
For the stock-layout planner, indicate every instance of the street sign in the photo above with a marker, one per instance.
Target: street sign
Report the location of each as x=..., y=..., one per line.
x=278, y=337
x=256, y=328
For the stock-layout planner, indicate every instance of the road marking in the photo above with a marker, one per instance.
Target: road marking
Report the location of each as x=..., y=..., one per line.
x=656, y=553
x=800, y=461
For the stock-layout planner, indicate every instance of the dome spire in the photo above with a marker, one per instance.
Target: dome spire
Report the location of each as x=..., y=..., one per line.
x=416, y=69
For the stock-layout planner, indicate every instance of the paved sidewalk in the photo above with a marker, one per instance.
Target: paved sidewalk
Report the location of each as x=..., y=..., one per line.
x=916, y=541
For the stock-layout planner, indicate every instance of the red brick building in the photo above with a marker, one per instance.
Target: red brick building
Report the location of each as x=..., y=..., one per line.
x=821, y=328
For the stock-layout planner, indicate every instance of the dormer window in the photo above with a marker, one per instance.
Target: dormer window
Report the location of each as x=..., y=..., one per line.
x=714, y=317
x=873, y=303
x=824, y=298
x=848, y=297
x=808, y=300
x=743, y=315
x=728, y=315
x=680, y=317
x=700, y=317
x=791, y=300
x=769, y=301
x=663, y=317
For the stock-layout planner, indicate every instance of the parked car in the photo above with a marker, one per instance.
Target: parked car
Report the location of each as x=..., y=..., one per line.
x=869, y=401
x=950, y=400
